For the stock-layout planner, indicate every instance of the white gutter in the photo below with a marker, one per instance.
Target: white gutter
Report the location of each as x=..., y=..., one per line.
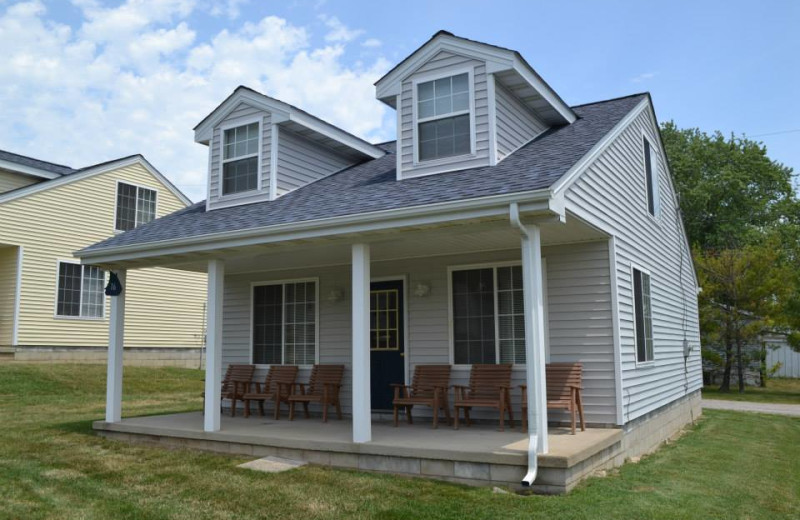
x=429, y=214
x=535, y=385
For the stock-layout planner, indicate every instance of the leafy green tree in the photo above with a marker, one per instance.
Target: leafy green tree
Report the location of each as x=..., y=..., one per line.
x=743, y=291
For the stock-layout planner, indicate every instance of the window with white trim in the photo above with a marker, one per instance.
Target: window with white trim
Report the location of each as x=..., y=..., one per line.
x=488, y=315
x=651, y=177
x=643, y=316
x=443, y=117
x=285, y=323
x=240, y=159
x=135, y=206
x=80, y=291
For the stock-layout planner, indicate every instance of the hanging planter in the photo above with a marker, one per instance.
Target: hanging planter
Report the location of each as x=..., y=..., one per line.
x=114, y=287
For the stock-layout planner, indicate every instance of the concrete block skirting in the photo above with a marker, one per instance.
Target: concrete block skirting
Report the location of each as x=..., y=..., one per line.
x=184, y=357
x=476, y=464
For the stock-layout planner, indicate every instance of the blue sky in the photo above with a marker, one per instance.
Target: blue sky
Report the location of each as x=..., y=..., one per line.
x=135, y=76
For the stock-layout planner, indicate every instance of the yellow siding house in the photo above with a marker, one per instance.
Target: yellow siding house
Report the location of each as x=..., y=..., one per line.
x=51, y=307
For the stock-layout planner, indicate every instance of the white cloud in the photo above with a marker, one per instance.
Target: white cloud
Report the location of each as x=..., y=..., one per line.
x=645, y=76
x=372, y=42
x=339, y=32
x=229, y=8
x=135, y=79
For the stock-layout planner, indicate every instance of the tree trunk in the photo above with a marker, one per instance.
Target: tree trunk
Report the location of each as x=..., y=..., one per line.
x=739, y=364
x=763, y=365
x=725, y=387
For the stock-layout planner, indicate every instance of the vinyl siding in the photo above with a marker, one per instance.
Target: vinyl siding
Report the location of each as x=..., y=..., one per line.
x=164, y=307
x=242, y=113
x=611, y=194
x=441, y=61
x=11, y=181
x=8, y=285
x=516, y=124
x=579, y=311
x=301, y=161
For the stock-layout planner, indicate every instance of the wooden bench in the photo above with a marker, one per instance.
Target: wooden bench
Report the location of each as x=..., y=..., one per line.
x=276, y=388
x=489, y=387
x=323, y=387
x=563, y=391
x=428, y=388
x=236, y=382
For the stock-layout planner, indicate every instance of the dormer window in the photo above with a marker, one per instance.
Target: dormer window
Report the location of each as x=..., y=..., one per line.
x=240, y=158
x=443, y=117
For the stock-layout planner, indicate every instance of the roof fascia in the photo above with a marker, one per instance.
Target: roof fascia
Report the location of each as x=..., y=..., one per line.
x=430, y=214
x=92, y=171
x=282, y=112
x=28, y=170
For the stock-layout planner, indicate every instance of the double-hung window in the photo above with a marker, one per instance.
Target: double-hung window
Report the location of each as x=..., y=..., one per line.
x=285, y=323
x=240, y=159
x=443, y=117
x=80, y=291
x=643, y=316
x=651, y=177
x=135, y=206
x=488, y=315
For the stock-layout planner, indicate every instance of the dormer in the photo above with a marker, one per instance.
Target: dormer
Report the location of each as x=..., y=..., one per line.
x=464, y=104
x=260, y=148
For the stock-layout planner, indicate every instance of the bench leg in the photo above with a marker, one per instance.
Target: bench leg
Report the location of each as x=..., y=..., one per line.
x=457, y=414
x=325, y=405
x=338, y=409
x=396, y=415
x=291, y=410
x=435, y=413
x=305, y=409
x=408, y=414
x=580, y=411
x=247, y=408
x=466, y=416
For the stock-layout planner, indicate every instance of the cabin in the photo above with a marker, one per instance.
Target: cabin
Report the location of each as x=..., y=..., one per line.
x=502, y=226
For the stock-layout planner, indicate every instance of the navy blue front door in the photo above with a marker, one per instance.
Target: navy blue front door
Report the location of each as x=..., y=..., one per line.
x=386, y=341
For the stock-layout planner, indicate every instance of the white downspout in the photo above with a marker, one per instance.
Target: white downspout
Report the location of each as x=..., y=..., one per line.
x=534, y=373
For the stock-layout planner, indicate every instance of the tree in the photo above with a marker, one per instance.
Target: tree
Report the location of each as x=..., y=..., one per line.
x=742, y=297
x=742, y=217
x=731, y=193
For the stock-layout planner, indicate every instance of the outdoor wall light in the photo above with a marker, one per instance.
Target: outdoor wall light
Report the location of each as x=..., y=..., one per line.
x=422, y=290
x=336, y=295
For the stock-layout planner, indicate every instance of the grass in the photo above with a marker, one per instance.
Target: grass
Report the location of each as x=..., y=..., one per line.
x=729, y=465
x=780, y=390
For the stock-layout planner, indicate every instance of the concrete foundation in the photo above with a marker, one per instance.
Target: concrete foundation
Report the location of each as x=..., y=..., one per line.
x=479, y=455
x=184, y=357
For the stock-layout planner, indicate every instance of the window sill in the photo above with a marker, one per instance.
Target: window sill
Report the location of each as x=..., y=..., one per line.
x=646, y=364
x=78, y=318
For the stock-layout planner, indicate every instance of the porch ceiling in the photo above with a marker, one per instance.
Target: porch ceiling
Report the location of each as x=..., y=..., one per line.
x=462, y=238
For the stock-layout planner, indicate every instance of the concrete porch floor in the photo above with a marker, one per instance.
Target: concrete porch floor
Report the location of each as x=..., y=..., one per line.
x=475, y=455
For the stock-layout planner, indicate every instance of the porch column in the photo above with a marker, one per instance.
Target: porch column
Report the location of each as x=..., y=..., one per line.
x=362, y=411
x=534, y=334
x=216, y=285
x=116, y=339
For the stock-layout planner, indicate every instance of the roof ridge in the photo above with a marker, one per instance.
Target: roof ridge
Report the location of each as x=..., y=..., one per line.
x=618, y=98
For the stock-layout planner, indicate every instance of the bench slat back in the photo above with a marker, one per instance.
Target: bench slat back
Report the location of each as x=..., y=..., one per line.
x=561, y=378
x=279, y=374
x=322, y=375
x=237, y=374
x=484, y=380
x=426, y=377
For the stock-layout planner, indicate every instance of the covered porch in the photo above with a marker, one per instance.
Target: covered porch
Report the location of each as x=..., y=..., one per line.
x=478, y=455
x=563, y=279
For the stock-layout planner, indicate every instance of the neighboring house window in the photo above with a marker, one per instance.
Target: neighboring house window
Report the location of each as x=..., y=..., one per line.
x=443, y=124
x=651, y=177
x=643, y=315
x=240, y=159
x=135, y=206
x=488, y=315
x=285, y=323
x=80, y=291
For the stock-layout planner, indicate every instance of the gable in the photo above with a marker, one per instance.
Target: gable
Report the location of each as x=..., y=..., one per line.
x=12, y=181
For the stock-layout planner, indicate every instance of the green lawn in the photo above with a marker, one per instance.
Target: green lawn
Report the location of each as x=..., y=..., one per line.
x=785, y=391
x=52, y=466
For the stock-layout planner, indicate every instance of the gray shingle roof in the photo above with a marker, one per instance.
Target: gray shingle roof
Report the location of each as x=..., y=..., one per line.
x=23, y=160
x=372, y=186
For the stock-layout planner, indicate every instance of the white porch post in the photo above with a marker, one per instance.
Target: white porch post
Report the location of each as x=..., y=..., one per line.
x=362, y=412
x=116, y=339
x=534, y=335
x=216, y=284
